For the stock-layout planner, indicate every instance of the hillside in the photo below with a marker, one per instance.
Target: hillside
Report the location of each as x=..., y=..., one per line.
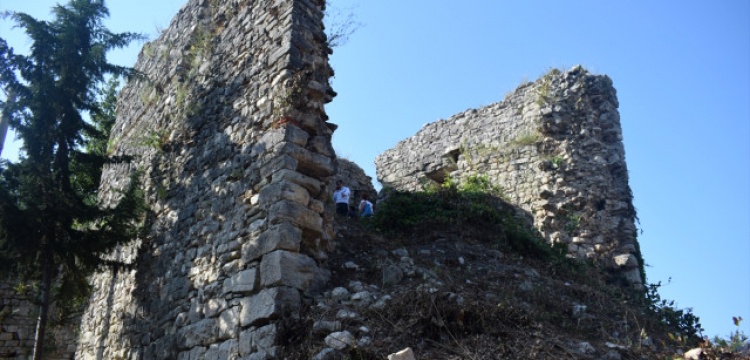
x=463, y=291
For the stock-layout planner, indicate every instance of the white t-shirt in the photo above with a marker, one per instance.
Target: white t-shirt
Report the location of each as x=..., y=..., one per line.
x=341, y=195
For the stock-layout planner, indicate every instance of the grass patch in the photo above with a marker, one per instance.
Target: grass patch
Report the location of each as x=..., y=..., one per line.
x=475, y=202
x=526, y=139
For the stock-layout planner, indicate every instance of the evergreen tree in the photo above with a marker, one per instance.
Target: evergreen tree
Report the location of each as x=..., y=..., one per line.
x=52, y=231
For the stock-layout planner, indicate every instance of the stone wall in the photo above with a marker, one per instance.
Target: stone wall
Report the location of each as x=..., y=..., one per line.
x=18, y=315
x=555, y=146
x=231, y=142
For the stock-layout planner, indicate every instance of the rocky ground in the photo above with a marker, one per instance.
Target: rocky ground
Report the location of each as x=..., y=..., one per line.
x=449, y=294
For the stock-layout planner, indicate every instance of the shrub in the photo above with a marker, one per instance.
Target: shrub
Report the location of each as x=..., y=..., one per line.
x=475, y=202
x=681, y=324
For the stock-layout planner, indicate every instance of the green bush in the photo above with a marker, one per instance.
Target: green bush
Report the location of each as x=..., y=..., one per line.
x=737, y=341
x=681, y=324
x=475, y=202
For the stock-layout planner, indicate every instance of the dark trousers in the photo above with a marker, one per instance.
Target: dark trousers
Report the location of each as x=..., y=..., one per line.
x=342, y=209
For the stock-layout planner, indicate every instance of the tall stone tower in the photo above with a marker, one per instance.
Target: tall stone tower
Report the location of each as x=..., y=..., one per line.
x=229, y=136
x=555, y=146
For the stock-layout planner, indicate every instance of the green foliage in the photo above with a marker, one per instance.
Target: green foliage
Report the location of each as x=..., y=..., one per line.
x=526, y=139
x=200, y=46
x=155, y=139
x=52, y=231
x=543, y=91
x=737, y=341
x=681, y=324
x=572, y=218
x=480, y=185
x=474, y=202
x=557, y=161
x=181, y=94
x=104, y=118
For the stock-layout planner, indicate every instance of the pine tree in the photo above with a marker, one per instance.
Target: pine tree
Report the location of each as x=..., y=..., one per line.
x=52, y=231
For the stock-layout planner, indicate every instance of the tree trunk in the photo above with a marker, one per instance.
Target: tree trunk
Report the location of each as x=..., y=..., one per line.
x=3, y=131
x=44, y=303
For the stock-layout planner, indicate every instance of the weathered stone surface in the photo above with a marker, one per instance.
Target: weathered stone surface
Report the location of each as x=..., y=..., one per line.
x=392, y=275
x=268, y=304
x=299, y=215
x=18, y=315
x=312, y=185
x=340, y=340
x=201, y=333
x=284, y=268
x=284, y=191
x=258, y=340
x=554, y=146
x=242, y=282
x=228, y=131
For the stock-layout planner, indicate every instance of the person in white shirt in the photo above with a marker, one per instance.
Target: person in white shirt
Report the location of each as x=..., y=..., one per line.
x=341, y=198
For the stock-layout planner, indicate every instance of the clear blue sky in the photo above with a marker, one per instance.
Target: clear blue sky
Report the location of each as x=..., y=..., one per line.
x=681, y=70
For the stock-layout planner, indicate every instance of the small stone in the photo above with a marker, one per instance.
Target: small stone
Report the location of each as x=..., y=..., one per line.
x=323, y=326
x=579, y=311
x=340, y=340
x=405, y=354
x=612, y=355
x=392, y=275
x=325, y=354
x=400, y=253
x=381, y=303
x=339, y=294
x=526, y=286
x=356, y=286
x=346, y=314
x=586, y=348
x=365, y=341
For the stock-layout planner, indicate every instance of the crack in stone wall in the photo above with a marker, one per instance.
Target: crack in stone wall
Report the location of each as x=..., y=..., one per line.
x=232, y=145
x=555, y=146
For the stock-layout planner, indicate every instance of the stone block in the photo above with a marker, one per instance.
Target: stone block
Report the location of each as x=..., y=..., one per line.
x=268, y=304
x=214, y=306
x=626, y=261
x=282, y=236
x=278, y=163
x=223, y=351
x=322, y=145
x=264, y=338
x=309, y=163
x=196, y=353
x=312, y=185
x=284, y=268
x=229, y=323
x=204, y=332
x=302, y=216
x=284, y=191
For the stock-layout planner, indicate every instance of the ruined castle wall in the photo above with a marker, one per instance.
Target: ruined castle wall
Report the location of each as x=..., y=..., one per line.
x=555, y=147
x=18, y=315
x=231, y=142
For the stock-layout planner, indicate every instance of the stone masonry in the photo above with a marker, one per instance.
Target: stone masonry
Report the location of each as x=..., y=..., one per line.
x=230, y=140
x=18, y=316
x=555, y=147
